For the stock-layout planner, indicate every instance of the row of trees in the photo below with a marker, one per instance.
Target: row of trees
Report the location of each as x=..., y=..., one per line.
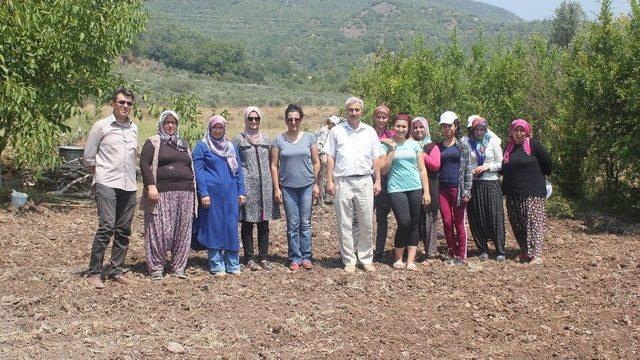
x=579, y=91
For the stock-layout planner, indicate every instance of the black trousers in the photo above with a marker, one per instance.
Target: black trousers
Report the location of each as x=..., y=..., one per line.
x=486, y=215
x=246, y=233
x=406, y=207
x=115, y=213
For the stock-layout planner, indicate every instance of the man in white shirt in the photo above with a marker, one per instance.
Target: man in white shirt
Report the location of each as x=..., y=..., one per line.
x=353, y=151
x=110, y=154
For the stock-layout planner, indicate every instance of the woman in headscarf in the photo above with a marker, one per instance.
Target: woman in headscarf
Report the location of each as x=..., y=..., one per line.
x=220, y=188
x=294, y=169
x=486, y=215
x=525, y=165
x=168, y=198
x=429, y=214
x=253, y=147
x=455, y=180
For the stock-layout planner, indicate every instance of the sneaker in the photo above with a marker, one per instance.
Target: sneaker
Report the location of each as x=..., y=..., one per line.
x=219, y=274
x=350, y=269
x=455, y=262
x=368, y=267
x=294, y=267
x=377, y=257
x=500, y=258
x=156, y=275
x=412, y=267
x=179, y=274
x=96, y=281
x=235, y=272
x=306, y=263
x=399, y=265
x=484, y=256
x=253, y=266
x=536, y=260
x=266, y=265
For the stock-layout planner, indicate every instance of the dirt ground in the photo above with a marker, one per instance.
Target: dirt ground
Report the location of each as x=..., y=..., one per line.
x=582, y=303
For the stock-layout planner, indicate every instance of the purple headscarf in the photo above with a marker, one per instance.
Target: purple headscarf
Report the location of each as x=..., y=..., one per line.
x=220, y=146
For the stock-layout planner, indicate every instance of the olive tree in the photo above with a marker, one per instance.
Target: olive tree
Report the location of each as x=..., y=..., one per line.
x=53, y=54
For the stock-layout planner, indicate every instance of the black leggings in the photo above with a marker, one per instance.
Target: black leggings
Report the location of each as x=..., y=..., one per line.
x=246, y=233
x=406, y=207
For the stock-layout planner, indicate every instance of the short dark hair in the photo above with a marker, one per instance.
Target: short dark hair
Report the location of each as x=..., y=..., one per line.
x=293, y=108
x=124, y=91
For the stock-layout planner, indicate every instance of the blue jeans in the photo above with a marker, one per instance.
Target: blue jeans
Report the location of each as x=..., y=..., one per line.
x=223, y=260
x=297, y=207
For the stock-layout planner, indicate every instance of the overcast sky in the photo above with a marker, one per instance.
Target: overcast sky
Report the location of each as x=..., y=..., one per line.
x=541, y=9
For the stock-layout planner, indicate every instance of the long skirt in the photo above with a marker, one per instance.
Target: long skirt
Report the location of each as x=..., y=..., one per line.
x=428, y=230
x=486, y=215
x=528, y=221
x=169, y=231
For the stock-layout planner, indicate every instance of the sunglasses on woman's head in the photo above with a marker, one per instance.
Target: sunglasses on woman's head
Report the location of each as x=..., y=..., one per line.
x=253, y=118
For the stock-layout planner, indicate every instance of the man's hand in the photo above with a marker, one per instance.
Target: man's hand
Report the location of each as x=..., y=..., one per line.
x=316, y=191
x=376, y=188
x=330, y=187
x=278, y=196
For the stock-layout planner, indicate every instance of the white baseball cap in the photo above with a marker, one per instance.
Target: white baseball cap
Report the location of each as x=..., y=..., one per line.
x=448, y=117
x=470, y=120
x=334, y=119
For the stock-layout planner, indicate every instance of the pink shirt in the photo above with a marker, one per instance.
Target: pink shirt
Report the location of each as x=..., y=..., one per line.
x=386, y=134
x=432, y=159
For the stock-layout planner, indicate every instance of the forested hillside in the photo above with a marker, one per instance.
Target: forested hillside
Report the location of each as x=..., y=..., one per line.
x=318, y=41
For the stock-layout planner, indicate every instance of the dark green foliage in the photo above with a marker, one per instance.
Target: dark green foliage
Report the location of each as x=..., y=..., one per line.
x=569, y=16
x=52, y=55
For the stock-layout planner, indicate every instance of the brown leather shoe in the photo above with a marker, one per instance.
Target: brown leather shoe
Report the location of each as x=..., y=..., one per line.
x=368, y=267
x=124, y=280
x=96, y=281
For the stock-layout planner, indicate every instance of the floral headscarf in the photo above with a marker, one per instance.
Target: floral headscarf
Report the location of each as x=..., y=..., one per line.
x=526, y=145
x=220, y=146
x=479, y=146
x=171, y=140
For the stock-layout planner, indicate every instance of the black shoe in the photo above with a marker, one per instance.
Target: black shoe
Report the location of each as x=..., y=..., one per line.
x=377, y=257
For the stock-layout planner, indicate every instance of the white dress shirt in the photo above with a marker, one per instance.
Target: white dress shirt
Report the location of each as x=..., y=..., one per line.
x=112, y=147
x=353, y=149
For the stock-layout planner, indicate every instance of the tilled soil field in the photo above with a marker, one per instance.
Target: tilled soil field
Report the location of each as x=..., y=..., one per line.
x=582, y=303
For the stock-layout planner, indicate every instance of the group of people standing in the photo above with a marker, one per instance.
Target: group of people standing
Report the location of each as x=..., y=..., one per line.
x=195, y=198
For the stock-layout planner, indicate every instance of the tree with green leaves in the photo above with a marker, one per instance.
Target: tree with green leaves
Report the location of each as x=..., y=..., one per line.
x=569, y=16
x=53, y=54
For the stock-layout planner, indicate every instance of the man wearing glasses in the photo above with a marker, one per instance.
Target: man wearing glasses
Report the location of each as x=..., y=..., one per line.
x=353, y=151
x=110, y=154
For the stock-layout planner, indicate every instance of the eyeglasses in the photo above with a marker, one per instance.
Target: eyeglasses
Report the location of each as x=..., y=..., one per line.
x=253, y=118
x=294, y=120
x=122, y=102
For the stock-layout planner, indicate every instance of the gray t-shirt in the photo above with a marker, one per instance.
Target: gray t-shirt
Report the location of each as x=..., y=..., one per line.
x=295, y=169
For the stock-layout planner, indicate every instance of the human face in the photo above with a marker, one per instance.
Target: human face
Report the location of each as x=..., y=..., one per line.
x=217, y=131
x=519, y=135
x=354, y=111
x=170, y=125
x=381, y=120
x=253, y=121
x=418, y=130
x=448, y=130
x=293, y=121
x=122, y=107
x=330, y=124
x=401, y=127
x=479, y=131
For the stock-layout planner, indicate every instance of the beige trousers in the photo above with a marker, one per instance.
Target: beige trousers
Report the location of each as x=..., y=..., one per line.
x=354, y=198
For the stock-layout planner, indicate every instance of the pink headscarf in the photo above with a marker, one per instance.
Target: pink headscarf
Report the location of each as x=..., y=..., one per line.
x=512, y=142
x=220, y=146
x=427, y=135
x=254, y=136
x=383, y=109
